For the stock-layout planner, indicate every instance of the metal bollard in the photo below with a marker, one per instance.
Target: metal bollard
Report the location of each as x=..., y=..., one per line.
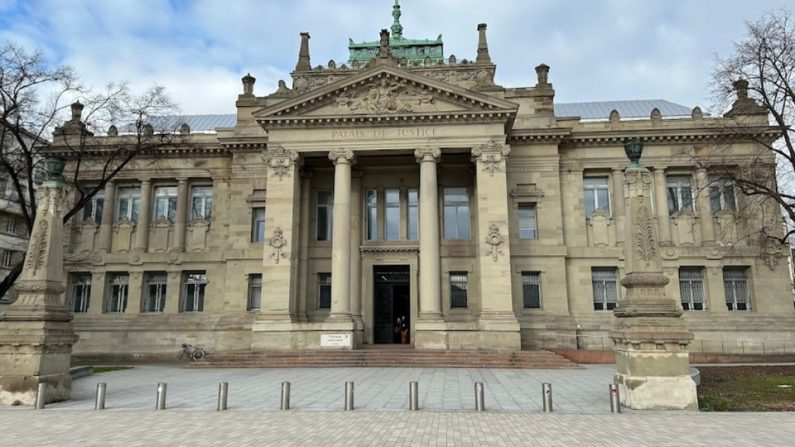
x=223, y=392
x=161, y=396
x=348, y=395
x=615, y=402
x=41, y=395
x=546, y=396
x=480, y=404
x=285, y=403
x=99, y=402
x=414, y=396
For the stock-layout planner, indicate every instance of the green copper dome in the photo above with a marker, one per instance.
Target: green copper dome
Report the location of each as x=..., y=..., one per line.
x=413, y=50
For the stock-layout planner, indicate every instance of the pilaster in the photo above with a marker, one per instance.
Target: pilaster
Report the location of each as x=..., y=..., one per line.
x=498, y=325
x=144, y=217
x=619, y=201
x=106, y=227
x=703, y=207
x=182, y=215
x=661, y=199
x=355, y=255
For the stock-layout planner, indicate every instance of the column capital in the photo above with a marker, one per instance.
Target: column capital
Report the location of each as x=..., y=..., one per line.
x=148, y=180
x=428, y=153
x=341, y=155
x=280, y=161
x=491, y=155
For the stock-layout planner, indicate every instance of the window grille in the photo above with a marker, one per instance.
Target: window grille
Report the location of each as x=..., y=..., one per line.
x=324, y=290
x=80, y=292
x=117, y=297
x=605, y=289
x=254, y=291
x=735, y=284
x=193, y=292
x=458, y=289
x=691, y=288
x=156, y=284
x=531, y=290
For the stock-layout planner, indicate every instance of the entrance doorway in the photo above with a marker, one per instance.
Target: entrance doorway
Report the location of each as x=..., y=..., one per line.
x=391, y=301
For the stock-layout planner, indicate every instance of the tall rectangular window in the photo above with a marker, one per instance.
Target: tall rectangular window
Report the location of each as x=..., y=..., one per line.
x=11, y=224
x=117, y=292
x=193, y=287
x=735, y=285
x=155, y=291
x=721, y=195
x=691, y=288
x=325, y=215
x=372, y=215
x=527, y=221
x=93, y=209
x=392, y=214
x=80, y=292
x=605, y=288
x=128, y=202
x=254, y=291
x=414, y=214
x=201, y=199
x=165, y=204
x=258, y=224
x=456, y=213
x=324, y=290
x=8, y=256
x=458, y=289
x=680, y=193
x=597, y=196
x=531, y=290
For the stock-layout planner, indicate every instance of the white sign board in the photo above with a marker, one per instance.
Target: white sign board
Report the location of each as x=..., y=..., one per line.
x=335, y=340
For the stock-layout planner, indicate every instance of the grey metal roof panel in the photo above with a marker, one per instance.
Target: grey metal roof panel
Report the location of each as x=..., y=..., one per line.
x=638, y=108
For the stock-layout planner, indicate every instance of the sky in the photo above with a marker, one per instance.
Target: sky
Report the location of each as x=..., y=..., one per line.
x=198, y=50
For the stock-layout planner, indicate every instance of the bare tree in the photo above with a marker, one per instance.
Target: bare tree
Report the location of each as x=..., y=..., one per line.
x=35, y=100
x=756, y=84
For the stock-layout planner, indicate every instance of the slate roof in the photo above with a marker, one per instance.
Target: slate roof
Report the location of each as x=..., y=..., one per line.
x=640, y=108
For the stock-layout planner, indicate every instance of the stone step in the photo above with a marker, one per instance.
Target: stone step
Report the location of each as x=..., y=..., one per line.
x=385, y=358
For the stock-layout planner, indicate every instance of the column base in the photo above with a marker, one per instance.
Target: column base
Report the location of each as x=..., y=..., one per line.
x=657, y=393
x=22, y=390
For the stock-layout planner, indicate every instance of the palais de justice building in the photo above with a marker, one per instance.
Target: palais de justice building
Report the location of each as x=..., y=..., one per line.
x=404, y=182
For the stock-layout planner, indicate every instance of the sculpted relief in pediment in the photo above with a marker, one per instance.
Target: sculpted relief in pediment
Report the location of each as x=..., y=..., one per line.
x=386, y=96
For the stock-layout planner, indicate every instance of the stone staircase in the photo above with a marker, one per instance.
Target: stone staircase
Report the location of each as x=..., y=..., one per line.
x=386, y=357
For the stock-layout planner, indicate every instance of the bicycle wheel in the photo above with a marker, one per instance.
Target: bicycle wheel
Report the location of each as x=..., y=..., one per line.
x=197, y=354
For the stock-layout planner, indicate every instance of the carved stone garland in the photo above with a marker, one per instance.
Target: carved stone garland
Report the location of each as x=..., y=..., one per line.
x=645, y=242
x=495, y=241
x=280, y=161
x=491, y=156
x=278, y=243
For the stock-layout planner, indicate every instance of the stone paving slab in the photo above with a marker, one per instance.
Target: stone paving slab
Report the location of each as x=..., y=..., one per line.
x=391, y=428
x=440, y=389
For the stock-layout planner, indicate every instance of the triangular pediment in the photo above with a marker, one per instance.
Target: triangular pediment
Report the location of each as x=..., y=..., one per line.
x=384, y=92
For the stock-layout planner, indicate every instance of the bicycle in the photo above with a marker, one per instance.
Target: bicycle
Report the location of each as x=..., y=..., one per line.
x=189, y=352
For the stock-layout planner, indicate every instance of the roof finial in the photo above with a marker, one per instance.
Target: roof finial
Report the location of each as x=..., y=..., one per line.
x=303, y=54
x=397, y=28
x=483, y=46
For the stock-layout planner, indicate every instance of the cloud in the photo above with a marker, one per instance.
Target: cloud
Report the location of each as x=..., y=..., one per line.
x=198, y=50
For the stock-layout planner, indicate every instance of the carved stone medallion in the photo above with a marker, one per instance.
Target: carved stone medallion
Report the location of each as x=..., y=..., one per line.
x=280, y=161
x=277, y=242
x=495, y=241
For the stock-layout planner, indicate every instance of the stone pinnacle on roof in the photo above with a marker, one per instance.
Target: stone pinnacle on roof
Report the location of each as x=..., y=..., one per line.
x=397, y=28
x=303, y=54
x=483, y=46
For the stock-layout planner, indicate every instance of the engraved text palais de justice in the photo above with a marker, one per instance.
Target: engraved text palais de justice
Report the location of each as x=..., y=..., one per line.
x=397, y=132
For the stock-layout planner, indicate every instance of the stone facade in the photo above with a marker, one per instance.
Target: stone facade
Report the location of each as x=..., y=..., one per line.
x=367, y=192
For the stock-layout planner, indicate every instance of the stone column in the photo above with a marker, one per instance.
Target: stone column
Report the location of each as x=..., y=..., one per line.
x=498, y=326
x=280, y=251
x=106, y=227
x=36, y=335
x=703, y=206
x=661, y=198
x=652, y=367
x=618, y=203
x=182, y=214
x=430, y=270
x=341, y=237
x=356, y=256
x=305, y=290
x=144, y=217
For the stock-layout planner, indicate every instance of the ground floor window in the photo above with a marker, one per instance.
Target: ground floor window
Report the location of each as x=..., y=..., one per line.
x=531, y=290
x=324, y=290
x=458, y=289
x=254, y=291
x=605, y=289
x=193, y=287
x=155, y=292
x=735, y=284
x=80, y=292
x=117, y=293
x=691, y=288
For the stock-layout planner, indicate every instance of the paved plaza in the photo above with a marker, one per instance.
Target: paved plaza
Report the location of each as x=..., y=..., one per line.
x=381, y=417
